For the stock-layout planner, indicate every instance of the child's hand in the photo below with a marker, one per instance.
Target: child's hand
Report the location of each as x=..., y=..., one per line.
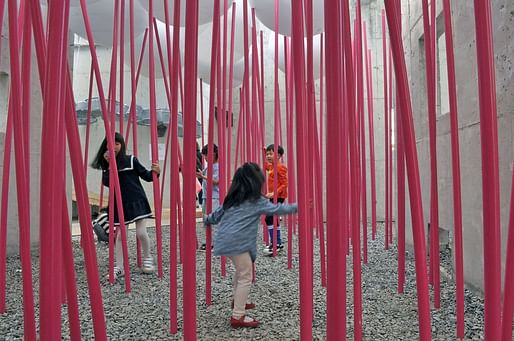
x=199, y=175
x=106, y=156
x=156, y=168
x=269, y=195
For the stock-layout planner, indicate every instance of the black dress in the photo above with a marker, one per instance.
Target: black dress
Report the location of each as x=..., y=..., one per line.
x=133, y=196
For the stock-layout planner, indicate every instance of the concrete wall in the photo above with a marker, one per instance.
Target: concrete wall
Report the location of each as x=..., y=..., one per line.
x=469, y=123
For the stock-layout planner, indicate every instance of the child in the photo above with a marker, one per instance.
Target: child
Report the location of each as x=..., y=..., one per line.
x=281, y=192
x=215, y=195
x=236, y=237
x=135, y=204
x=199, y=167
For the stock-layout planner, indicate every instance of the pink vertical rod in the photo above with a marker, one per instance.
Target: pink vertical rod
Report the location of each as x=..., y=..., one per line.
x=201, y=112
x=320, y=176
x=393, y=18
x=457, y=201
x=336, y=255
x=305, y=238
x=3, y=213
x=132, y=109
x=168, y=97
x=434, y=202
x=225, y=165
x=222, y=120
x=50, y=202
x=369, y=87
x=310, y=112
x=244, y=118
x=386, y=131
x=173, y=66
x=153, y=139
x=135, y=140
x=112, y=76
x=239, y=129
x=181, y=88
x=26, y=41
x=111, y=104
x=122, y=65
x=210, y=148
x=390, y=147
x=318, y=198
x=360, y=102
x=289, y=138
x=261, y=102
x=230, y=114
x=354, y=175
x=255, y=113
x=134, y=83
x=2, y=8
x=5, y=188
x=189, y=123
x=21, y=184
x=76, y=162
x=400, y=197
x=490, y=185
x=88, y=124
x=26, y=38
x=227, y=129
x=276, y=116
x=70, y=278
x=230, y=82
x=246, y=79
x=290, y=92
x=346, y=205
x=110, y=142
x=400, y=174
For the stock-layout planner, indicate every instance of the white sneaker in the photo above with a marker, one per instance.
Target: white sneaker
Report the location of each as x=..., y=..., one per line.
x=118, y=273
x=148, y=267
x=268, y=250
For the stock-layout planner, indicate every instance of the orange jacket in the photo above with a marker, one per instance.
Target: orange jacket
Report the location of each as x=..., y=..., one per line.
x=282, y=179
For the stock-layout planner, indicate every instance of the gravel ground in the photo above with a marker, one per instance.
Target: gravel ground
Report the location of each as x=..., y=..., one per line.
x=144, y=313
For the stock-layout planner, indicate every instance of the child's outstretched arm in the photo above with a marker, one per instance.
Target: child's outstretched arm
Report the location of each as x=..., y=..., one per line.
x=269, y=208
x=144, y=173
x=214, y=217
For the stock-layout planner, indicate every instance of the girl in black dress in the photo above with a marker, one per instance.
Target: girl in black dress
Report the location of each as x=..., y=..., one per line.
x=134, y=201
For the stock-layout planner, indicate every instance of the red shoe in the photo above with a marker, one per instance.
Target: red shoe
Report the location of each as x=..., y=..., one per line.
x=241, y=323
x=248, y=306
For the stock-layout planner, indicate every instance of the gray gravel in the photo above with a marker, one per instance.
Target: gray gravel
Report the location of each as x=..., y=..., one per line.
x=144, y=313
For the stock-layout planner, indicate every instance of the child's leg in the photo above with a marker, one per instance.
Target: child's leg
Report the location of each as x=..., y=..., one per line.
x=142, y=235
x=118, y=251
x=279, y=239
x=234, y=286
x=243, y=282
x=269, y=223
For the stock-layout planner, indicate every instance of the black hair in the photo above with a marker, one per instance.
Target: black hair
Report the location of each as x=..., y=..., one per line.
x=205, y=150
x=246, y=185
x=99, y=161
x=271, y=148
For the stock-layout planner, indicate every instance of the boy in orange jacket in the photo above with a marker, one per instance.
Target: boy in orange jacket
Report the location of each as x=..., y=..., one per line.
x=281, y=170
